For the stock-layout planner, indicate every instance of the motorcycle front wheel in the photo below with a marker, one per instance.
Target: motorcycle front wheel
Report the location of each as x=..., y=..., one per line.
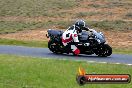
x=103, y=50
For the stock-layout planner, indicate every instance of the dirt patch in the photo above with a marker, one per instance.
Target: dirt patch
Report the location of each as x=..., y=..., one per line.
x=119, y=39
x=116, y=39
x=27, y=35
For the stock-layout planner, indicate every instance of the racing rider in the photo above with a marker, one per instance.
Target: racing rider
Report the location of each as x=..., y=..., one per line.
x=70, y=36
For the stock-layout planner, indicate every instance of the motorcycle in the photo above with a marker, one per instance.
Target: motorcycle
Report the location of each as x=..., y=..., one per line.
x=96, y=40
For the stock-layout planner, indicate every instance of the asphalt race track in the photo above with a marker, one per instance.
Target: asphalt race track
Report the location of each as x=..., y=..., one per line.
x=44, y=52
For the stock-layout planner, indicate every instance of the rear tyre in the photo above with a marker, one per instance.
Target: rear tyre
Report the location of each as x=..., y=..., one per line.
x=104, y=50
x=54, y=47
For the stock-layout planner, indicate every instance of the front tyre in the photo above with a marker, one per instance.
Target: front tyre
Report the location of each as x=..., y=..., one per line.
x=104, y=50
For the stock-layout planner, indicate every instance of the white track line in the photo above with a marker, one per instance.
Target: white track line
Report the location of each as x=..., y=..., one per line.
x=117, y=63
x=95, y=62
x=108, y=63
x=103, y=62
x=91, y=61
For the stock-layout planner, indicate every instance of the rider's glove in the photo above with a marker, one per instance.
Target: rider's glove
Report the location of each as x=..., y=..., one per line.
x=86, y=44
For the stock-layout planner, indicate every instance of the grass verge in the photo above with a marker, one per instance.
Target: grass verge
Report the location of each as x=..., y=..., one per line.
x=45, y=45
x=27, y=72
x=122, y=50
x=23, y=43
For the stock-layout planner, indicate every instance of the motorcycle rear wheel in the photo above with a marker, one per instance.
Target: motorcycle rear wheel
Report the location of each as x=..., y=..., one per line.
x=54, y=47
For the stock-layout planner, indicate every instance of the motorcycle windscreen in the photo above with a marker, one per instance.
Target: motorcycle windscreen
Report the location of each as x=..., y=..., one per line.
x=100, y=36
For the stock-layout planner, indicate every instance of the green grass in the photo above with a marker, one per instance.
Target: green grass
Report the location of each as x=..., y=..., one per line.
x=11, y=27
x=23, y=43
x=117, y=25
x=15, y=26
x=122, y=50
x=27, y=72
x=85, y=14
x=111, y=4
x=33, y=8
x=128, y=15
x=51, y=8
